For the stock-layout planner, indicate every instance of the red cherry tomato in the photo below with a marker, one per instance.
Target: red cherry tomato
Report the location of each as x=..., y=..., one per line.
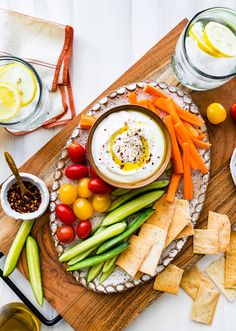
x=77, y=153
x=65, y=233
x=97, y=185
x=65, y=214
x=93, y=173
x=76, y=171
x=233, y=112
x=84, y=229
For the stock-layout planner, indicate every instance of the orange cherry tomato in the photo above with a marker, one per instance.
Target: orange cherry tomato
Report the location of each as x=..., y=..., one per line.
x=82, y=209
x=83, y=188
x=68, y=194
x=101, y=202
x=216, y=113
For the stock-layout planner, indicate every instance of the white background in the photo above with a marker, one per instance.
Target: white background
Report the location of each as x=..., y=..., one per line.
x=110, y=35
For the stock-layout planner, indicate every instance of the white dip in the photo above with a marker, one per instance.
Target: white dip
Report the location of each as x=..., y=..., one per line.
x=128, y=146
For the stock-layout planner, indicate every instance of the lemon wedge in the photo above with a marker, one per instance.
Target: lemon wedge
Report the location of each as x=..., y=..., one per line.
x=10, y=101
x=220, y=38
x=22, y=78
x=196, y=31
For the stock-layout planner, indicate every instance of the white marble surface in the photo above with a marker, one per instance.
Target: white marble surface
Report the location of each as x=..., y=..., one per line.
x=110, y=35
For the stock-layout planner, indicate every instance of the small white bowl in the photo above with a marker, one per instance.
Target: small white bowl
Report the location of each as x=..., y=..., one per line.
x=25, y=216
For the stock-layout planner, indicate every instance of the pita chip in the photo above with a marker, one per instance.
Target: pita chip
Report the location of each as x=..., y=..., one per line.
x=168, y=280
x=205, y=241
x=216, y=272
x=204, y=306
x=163, y=214
x=186, y=232
x=221, y=223
x=192, y=279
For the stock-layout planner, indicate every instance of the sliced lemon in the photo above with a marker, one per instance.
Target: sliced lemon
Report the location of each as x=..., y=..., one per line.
x=220, y=38
x=196, y=31
x=19, y=76
x=10, y=101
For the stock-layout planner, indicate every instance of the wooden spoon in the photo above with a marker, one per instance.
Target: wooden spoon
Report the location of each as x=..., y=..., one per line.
x=23, y=190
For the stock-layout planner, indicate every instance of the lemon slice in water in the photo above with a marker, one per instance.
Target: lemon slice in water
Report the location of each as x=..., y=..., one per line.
x=10, y=101
x=22, y=78
x=196, y=31
x=220, y=38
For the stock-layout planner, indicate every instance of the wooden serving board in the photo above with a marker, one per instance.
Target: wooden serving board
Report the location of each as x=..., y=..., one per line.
x=84, y=309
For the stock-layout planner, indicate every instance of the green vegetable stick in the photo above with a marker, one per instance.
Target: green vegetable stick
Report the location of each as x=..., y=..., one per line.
x=90, y=261
x=94, y=271
x=119, y=191
x=106, y=234
x=134, y=193
x=109, y=264
x=130, y=229
x=82, y=256
x=105, y=275
x=16, y=247
x=33, y=262
x=131, y=207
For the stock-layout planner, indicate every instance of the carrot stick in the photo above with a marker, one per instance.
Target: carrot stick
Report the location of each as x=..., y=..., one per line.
x=132, y=97
x=193, y=163
x=193, y=132
x=151, y=106
x=172, y=111
x=183, y=114
x=154, y=91
x=174, y=182
x=201, y=136
x=199, y=131
x=200, y=143
x=188, y=182
x=183, y=134
x=86, y=121
x=177, y=160
x=142, y=103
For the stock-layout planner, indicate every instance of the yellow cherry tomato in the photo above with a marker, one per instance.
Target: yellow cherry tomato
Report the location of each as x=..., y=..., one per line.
x=82, y=209
x=68, y=194
x=216, y=113
x=101, y=202
x=83, y=190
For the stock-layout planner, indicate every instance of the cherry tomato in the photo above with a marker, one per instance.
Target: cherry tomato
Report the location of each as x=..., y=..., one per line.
x=82, y=208
x=65, y=214
x=77, y=153
x=68, y=194
x=84, y=228
x=97, y=185
x=65, y=233
x=232, y=114
x=93, y=174
x=76, y=171
x=101, y=202
x=83, y=189
x=216, y=113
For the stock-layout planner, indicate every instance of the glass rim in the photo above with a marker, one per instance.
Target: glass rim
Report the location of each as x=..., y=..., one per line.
x=39, y=81
x=184, y=46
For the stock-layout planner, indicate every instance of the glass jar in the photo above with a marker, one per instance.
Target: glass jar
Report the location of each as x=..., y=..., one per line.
x=17, y=317
x=194, y=64
x=32, y=115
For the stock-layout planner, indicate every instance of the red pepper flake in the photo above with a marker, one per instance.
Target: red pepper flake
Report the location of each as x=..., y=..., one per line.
x=27, y=203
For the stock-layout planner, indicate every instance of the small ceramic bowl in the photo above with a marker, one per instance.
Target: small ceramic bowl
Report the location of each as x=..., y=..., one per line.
x=27, y=216
x=156, y=174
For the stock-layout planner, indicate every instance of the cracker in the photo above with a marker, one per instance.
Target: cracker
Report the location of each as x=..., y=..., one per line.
x=216, y=272
x=221, y=223
x=131, y=259
x=168, y=280
x=138, y=275
x=186, y=232
x=163, y=214
x=192, y=279
x=230, y=269
x=180, y=220
x=204, y=306
x=157, y=237
x=205, y=241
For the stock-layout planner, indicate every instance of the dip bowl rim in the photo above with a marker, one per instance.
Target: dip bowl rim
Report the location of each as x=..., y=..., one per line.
x=156, y=174
x=25, y=216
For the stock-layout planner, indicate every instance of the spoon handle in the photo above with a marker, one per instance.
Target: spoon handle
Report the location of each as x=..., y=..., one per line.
x=14, y=170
